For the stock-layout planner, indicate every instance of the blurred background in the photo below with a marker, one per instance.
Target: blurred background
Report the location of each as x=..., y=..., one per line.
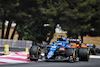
x=46, y=20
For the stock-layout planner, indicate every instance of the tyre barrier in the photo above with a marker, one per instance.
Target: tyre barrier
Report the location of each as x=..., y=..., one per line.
x=6, y=49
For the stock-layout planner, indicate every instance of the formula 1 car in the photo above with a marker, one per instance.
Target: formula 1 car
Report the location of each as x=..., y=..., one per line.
x=93, y=49
x=60, y=51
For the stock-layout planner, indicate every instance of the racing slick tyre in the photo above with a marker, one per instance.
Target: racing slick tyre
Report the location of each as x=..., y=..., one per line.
x=71, y=53
x=98, y=50
x=34, y=53
x=93, y=51
x=84, y=54
x=94, y=46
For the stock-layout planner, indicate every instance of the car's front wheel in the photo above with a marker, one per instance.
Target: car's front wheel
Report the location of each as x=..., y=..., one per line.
x=34, y=53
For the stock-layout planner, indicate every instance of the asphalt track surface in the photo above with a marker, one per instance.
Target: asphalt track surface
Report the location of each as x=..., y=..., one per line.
x=93, y=62
x=90, y=63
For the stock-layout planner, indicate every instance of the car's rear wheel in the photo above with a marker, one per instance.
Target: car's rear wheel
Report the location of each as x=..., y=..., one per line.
x=93, y=51
x=94, y=46
x=98, y=50
x=84, y=54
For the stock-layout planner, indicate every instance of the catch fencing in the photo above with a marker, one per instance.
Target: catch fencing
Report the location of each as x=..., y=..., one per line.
x=16, y=43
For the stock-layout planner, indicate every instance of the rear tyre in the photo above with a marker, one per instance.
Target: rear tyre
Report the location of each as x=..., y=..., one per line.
x=34, y=50
x=93, y=51
x=84, y=54
x=98, y=50
x=94, y=46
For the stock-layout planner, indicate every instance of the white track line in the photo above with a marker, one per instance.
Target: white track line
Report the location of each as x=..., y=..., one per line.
x=94, y=56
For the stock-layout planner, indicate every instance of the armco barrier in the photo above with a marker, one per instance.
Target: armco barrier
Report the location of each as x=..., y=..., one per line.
x=16, y=43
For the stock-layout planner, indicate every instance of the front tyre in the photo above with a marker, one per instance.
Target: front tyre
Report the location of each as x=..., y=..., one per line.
x=71, y=53
x=34, y=53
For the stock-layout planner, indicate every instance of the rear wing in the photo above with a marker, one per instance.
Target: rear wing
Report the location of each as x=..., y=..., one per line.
x=74, y=40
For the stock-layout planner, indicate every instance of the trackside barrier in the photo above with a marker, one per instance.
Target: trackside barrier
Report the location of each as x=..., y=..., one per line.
x=6, y=49
x=16, y=43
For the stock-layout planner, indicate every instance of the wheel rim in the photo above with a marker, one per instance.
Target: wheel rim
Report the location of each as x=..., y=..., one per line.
x=74, y=55
x=38, y=51
x=95, y=51
x=88, y=54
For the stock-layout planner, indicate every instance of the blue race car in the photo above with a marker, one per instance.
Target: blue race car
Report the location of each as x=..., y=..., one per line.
x=59, y=51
